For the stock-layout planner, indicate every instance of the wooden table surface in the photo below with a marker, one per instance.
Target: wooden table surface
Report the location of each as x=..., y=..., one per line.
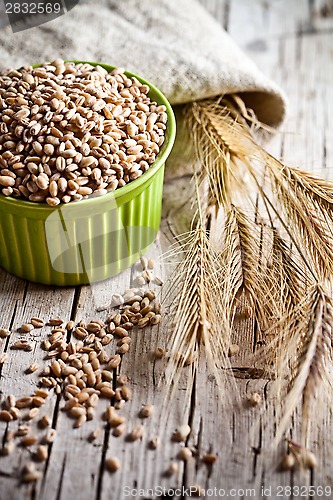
x=291, y=41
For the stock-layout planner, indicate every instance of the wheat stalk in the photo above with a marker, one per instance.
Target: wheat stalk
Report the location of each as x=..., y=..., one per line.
x=198, y=318
x=279, y=275
x=244, y=272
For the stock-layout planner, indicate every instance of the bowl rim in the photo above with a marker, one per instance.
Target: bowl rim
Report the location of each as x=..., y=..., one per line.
x=17, y=203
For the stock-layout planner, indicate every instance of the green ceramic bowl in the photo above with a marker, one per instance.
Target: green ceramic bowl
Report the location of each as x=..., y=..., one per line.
x=92, y=239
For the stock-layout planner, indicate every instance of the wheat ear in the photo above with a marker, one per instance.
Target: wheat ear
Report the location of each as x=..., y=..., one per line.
x=309, y=214
x=244, y=273
x=198, y=316
x=310, y=368
x=289, y=278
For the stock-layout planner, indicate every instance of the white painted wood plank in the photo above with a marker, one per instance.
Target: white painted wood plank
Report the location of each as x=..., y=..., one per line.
x=251, y=24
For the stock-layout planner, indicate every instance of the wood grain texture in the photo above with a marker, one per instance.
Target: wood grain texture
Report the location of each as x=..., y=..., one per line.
x=291, y=41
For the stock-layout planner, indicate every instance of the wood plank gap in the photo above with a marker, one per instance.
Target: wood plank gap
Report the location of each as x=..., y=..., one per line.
x=8, y=338
x=76, y=300
x=33, y=494
x=4, y=437
x=61, y=477
x=102, y=464
x=190, y=423
x=226, y=14
x=5, y=474
x=25, y=291
x=257, y=450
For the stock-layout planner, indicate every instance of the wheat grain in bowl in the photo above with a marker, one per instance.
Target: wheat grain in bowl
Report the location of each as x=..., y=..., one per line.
x=69, y=130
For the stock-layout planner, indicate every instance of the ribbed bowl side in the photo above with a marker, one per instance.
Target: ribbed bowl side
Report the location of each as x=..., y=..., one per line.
x=99, y=245
x=23, y=250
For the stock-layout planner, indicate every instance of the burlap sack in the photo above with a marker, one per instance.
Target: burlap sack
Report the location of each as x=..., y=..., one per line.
x=175, y=44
